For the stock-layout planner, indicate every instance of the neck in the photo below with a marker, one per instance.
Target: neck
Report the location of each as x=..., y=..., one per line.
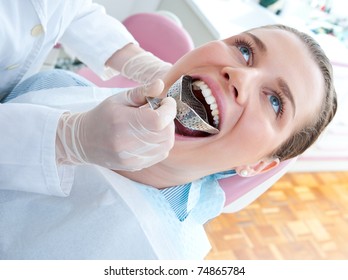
x=160, y=176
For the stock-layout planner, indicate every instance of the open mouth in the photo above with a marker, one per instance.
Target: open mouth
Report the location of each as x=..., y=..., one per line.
x=203, y=93
x=198, y=96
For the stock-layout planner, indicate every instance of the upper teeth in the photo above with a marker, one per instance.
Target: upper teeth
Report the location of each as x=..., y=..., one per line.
x=209, y=98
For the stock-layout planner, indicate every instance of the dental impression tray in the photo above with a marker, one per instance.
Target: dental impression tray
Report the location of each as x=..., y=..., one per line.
x=191, y=112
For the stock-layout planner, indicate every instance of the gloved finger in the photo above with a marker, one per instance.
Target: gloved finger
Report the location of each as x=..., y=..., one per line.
x=144, y=160
x=150, y=140
x=136, y=97
x=157, y=120
x=168, y=109
x=146, y=152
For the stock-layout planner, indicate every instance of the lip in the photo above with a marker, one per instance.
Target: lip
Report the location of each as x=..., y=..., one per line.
x=179, y=136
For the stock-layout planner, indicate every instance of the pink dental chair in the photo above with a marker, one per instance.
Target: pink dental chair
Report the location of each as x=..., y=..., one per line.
x=240, y=191
x=169, y=41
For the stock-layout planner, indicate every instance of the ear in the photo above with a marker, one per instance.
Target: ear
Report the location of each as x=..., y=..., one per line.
x=265, y=165
x=261, y=166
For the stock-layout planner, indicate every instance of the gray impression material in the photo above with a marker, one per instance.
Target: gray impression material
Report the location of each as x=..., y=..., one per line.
x=190, y=111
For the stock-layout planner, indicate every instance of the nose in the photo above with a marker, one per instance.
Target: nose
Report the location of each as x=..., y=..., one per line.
x=241, y=82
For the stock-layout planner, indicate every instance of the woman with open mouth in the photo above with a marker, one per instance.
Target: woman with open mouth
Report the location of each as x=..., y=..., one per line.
x=269, y=93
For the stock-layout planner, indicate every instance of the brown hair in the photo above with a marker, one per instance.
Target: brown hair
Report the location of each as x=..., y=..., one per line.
x=304, y=137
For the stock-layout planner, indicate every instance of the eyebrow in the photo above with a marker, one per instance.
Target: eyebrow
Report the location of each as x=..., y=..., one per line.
x=260, y=45
x=287, y=92
x=282, y=84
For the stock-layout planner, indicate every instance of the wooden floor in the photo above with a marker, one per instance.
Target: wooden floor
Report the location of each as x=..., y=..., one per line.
x=303, y=216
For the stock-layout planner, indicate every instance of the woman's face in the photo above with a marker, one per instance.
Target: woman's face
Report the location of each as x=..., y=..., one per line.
x=265, y=85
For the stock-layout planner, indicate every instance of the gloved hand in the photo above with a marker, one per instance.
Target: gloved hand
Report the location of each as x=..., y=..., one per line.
x=136, y=64
x=120, y=133
x=145, y=68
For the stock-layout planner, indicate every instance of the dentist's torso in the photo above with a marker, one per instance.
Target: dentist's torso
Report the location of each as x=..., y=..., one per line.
x=24, y=36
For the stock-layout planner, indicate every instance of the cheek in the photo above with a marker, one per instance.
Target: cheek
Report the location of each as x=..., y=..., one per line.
x=209, y=54
x=251, y=140
x=194, y=59
x=190, y=62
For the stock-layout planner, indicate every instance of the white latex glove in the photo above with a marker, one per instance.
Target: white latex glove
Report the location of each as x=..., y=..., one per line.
x=145, y=68
x=119, y=133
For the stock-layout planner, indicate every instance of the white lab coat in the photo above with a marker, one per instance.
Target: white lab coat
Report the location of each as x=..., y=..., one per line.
x=106, y=216
x=29, y=29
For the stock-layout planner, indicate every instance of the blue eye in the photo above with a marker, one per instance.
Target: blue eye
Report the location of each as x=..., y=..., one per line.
x=246, y=48
x=245, y=51
x=276, y=103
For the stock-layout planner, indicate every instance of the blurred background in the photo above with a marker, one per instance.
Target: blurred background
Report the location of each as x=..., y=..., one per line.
x=304, y=215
